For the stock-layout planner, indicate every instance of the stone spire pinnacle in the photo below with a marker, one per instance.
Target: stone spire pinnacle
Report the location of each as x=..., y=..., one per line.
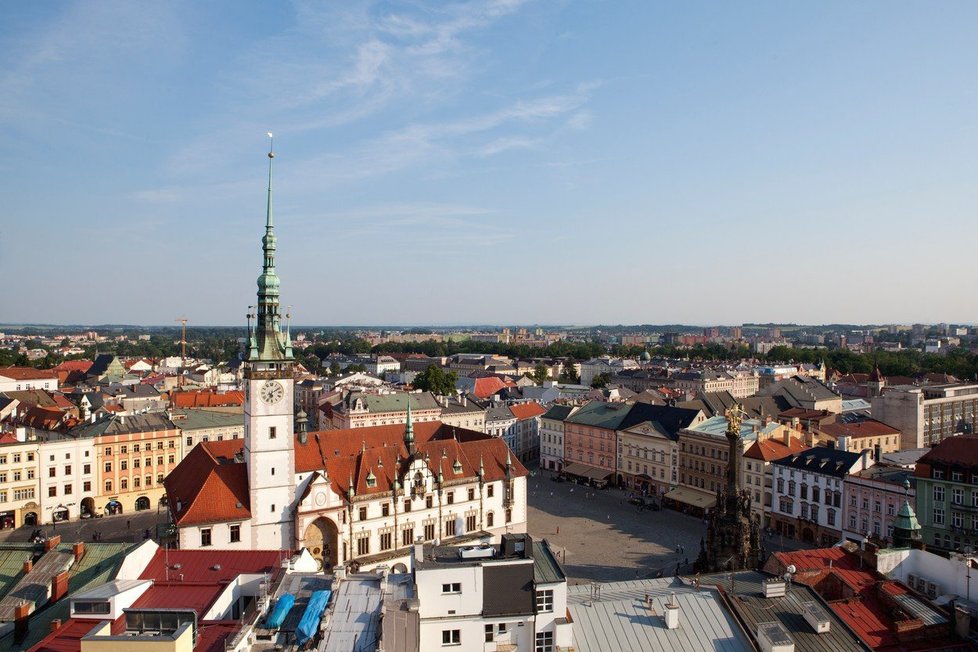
x=268, y=342
x=409, y=429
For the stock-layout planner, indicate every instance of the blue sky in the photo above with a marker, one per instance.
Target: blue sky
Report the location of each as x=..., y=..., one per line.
x=491, y=162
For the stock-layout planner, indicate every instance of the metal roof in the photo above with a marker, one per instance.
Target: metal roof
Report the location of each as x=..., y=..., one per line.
x=746, y=597
x=109, y=589
x=617, y=618
x=355, y=621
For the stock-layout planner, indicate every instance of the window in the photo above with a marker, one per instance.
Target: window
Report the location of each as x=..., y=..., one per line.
x=429, y=531
x=451, y=637
x=190, y=441
x=135, y=448
x=148, y=481
x=471, y=494
x=451, y=497
x=273, y=508
x=956, y=519
x=470, y=523
x=24, y=494
x=205, y=537
x=108, y=486
x=545, y=642
x=86, y=469
x=271, y=433
x=52, y=492
x=509, y=515
x=52, y=472
x=3, y=476
x=938, y=493
x=450, y=527
x=490, y=633
x=407, y=505
x=159, y=445
x=877, y=506
x=135, y=481
x=148, y=461
x=159, y=478
x=169, y=459
x=173, y=443
x=17, y=475
x=428, y=502
x=385, y=509
x=489, y=519
x=453, y=587
x=159, y=459
x=16, y=458
x=123, y=450
x=124, y=484
x=363, y=545
x=545, y=601
x=135, y=464
x=938, y=474
x=938, y=516
x=489, y=491
x=123, y=465
x=957, y=495
x=830, y=516
x=363, y=514
x=957, y=476
x=407, y=536
x=385, y=540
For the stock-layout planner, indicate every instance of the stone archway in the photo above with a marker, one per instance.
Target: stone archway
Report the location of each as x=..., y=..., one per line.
x=321, y=539
x=88, y=507
x=142, y=503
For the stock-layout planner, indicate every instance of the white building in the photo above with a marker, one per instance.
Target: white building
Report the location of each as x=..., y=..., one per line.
x=16, y=379
x=507, y=597
x=67, y=475
x=18, y=481
x=552, y=436
x=807, y=496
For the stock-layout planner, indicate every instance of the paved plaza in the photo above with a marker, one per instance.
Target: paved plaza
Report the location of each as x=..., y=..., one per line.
x=598, y=535
x=122, y=528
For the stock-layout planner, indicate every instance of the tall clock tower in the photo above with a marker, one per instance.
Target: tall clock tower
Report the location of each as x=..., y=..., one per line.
x=268, y=409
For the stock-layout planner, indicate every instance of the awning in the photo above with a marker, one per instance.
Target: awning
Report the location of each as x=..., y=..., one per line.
x=692, y=498
x=585, y=471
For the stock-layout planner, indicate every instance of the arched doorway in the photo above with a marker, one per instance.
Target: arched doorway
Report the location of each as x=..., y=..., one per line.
x=59, y=514
x=113, y=507
x=30, y=518
x=142, y=503
x=321, y=539
x=399, y=568
x=807, y=535
x=88, y=507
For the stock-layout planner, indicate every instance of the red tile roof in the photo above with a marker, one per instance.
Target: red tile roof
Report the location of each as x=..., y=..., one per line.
x=206, y=399
x=486, y=387
x=73, y=365
x=68, y=638
x=527, y=410
x=961, y=450
x=864, y=428
x=208, y=486
x=771, y=449
x=803, y=414
x=198, y=565
x=27, y=373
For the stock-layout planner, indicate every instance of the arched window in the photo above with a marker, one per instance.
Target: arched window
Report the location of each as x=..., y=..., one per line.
x=490, y=518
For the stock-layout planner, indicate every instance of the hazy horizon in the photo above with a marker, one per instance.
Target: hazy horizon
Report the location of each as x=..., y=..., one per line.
x=480, y=161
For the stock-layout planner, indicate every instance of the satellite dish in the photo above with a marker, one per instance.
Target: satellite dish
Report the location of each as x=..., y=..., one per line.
x=791, y=569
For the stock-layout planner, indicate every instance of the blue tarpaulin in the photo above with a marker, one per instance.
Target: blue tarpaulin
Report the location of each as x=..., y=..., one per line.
x=281, y=610
x=310, y=619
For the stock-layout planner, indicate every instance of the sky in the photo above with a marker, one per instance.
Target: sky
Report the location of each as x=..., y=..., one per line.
x=491, y=162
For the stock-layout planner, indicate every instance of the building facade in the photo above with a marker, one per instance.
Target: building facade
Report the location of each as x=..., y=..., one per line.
x=947, y=494
x=552, y=436
x=873, y=498
x=925, y=416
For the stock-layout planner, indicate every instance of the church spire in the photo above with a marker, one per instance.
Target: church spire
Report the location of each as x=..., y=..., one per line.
x=269, y=342
x=409, y=430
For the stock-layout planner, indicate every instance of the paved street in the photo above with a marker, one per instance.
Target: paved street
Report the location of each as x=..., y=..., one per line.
x=601, y=536
x=121, y=528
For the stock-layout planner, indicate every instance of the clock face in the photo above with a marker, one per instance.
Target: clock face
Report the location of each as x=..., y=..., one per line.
x=271, y=392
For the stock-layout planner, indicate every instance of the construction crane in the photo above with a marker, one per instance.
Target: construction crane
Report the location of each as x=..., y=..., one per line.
x=183, y=348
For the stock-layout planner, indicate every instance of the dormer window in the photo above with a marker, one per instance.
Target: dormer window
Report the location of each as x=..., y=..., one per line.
x=371, y=479
x=457, y=467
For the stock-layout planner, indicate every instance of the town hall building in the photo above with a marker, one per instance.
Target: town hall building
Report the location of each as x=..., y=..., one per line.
x=353, y=497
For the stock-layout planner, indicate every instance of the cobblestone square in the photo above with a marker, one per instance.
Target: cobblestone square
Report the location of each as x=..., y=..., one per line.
x=597, y=535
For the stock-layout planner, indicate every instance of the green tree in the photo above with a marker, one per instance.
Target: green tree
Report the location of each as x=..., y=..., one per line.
x=540, y=374
x=436, y=381
x=601, y=380
x=569, y=374
x=334, y=368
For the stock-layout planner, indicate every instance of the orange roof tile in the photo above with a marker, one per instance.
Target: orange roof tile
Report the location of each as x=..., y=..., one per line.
x=864, y=428
x=207, y=398
x=27, y=373
x=208, y=486
x=527, y=410
x=771, y=449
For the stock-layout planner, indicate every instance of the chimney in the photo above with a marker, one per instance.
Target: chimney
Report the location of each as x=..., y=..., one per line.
x=79, y=550
x=21, y=614
x=55, y=624
x=28, y=565
x=418, y=553
x=672, y=613
x=52, y=543
x=796, y=423
x=59, y=586
x=787, y=436
x=866, y=462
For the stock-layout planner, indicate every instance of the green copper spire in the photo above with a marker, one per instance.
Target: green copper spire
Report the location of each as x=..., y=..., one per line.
x=409, y=429
x=268, y=342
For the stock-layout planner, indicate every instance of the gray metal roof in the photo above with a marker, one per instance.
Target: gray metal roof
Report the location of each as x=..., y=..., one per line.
x=747, y=599
x=109, y=589
x=355, y=621
x=191, y=419
x=617, y=618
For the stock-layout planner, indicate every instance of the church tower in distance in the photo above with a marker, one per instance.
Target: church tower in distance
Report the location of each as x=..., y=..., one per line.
x=268, y=409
